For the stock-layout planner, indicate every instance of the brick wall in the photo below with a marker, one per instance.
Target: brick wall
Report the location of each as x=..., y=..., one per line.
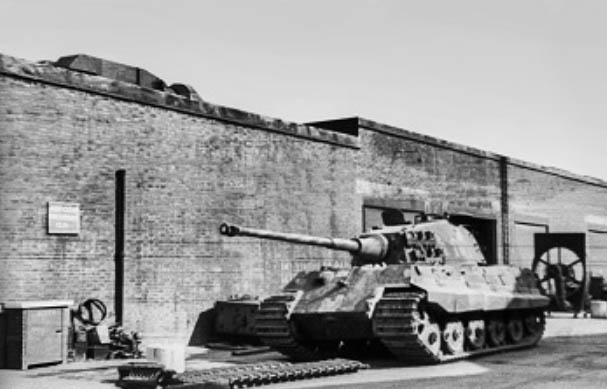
x=185, y=175
x=189, y=167
x=443, y=180
x=411, y=174
x=408, y=170
x=560, y=203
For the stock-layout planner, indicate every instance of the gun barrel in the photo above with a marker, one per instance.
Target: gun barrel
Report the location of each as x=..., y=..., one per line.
x=351, y=245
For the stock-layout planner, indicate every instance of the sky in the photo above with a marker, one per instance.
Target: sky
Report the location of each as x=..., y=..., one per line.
x=522, y=78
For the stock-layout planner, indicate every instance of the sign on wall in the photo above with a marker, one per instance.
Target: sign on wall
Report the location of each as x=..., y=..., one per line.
x=63, y=218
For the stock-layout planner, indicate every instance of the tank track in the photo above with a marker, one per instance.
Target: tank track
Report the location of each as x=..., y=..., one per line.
x=273, y=328
x=153, y=375
x=244, y=376
x=396, y=320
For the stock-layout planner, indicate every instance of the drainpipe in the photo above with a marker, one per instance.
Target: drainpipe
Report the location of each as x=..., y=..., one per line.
x=505, y=210
x=119, y=247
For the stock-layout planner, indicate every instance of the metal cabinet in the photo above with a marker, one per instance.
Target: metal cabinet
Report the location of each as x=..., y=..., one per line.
x=35, y=333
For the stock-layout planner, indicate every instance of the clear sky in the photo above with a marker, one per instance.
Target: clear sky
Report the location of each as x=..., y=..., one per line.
x=524, y=78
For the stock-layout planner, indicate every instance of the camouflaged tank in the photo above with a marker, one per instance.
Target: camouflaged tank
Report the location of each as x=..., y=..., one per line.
x=420, y=290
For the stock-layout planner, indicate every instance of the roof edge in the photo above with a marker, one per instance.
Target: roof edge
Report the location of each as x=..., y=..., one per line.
x=407, y=134
x=46, y=72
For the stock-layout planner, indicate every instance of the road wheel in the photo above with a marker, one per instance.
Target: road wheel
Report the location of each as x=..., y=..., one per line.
x=514, y=330
x=475, y=334
x=453, y=337
x=496, y=332
x=534, y=325
x=429, y=334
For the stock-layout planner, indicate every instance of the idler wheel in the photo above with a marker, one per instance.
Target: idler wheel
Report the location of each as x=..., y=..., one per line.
x=475, y=334
x=534, y=325
x=453, y=337
x=496, y=332
x=429, y=334
x=514, y=330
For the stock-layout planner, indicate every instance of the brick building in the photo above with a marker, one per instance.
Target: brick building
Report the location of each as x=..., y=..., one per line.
x=71, y=129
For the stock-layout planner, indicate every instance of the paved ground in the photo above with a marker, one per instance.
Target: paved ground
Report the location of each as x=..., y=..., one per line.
x=573, y=353
x=572, y=362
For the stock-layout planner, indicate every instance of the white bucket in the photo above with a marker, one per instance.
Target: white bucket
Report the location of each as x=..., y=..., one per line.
x=598, y=309
x=172, y=356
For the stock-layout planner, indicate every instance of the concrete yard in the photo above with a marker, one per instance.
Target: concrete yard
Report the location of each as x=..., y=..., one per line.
x=573, y=353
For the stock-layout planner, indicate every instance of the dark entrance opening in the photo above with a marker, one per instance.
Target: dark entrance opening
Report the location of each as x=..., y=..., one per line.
x=560, y=266
x=484, y=230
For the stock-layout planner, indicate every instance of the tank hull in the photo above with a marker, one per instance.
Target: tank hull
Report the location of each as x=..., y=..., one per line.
x=420, y=313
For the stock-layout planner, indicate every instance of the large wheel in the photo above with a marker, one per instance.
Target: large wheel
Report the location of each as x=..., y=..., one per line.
x=496, y=332
x=475, y=334
x=562, y=276
x=533, y=324
x=514, y=329
x=429, y=333
x=453, y=337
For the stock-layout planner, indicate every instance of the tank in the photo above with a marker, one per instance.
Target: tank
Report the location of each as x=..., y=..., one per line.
x=421, y=291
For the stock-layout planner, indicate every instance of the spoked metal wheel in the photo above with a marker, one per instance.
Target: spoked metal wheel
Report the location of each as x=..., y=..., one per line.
x=561, y=273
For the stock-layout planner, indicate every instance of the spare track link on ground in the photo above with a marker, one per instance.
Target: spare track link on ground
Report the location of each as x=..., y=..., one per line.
x=244, y=376
x=395, y=325
x=273, y=328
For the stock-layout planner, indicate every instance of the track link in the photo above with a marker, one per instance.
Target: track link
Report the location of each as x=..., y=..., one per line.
x=397, y=323
x=244, y=376
x=273, y=328
x=151, y=375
